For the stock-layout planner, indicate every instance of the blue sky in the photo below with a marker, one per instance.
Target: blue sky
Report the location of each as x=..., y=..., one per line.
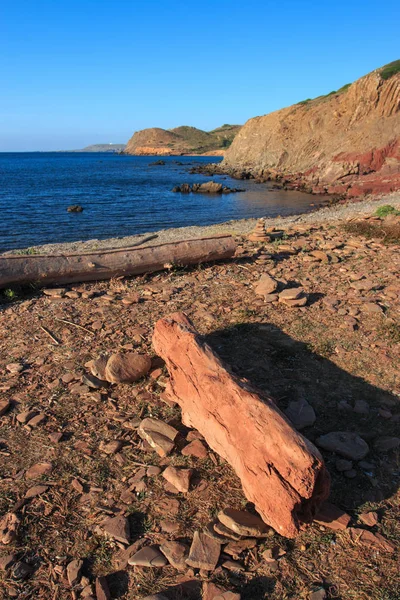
x=79, y=72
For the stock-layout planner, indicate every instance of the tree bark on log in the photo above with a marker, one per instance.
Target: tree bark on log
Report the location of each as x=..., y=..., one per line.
x=92, y=266
x=281, y=472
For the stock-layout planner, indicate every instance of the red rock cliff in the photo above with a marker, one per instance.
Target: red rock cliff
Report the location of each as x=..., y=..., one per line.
x=347, y=142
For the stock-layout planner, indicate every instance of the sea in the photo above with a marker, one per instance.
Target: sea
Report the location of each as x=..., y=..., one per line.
x=121, y=196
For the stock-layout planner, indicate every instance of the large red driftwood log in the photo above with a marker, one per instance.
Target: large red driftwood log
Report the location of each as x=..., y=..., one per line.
x=280, y=470
x=92, y=266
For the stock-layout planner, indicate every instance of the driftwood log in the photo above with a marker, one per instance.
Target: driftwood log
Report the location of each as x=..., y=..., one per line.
x=281, y=472
x=91, y=266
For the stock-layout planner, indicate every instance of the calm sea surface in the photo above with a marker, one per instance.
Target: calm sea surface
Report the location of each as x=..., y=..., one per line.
x=121, y=196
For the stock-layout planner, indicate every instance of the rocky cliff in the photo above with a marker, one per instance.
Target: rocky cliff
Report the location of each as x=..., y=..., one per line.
x=347, y=142
x=181, y=140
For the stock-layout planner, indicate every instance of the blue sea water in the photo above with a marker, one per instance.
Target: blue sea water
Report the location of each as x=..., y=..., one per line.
x=120, y=195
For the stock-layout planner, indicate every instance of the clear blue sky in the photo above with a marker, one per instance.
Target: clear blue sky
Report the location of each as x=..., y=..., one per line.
x=75, y=72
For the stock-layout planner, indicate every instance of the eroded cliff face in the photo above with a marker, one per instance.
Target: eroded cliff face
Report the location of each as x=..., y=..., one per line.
x=345, y=143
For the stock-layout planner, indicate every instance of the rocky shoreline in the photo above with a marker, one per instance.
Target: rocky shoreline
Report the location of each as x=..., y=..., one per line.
x=331, y=214
x=110, y=491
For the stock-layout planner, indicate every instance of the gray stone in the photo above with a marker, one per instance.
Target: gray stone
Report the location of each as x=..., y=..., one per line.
x=149, y=556
x=301, y=413
x=386, y=443
x=346, y=443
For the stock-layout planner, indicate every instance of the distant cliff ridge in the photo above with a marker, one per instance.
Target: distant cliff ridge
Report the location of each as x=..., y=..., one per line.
x=347, y=142
x=100, y=148
x=181, y=140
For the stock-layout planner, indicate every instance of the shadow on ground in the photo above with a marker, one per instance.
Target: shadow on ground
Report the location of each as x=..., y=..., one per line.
x=287, y=370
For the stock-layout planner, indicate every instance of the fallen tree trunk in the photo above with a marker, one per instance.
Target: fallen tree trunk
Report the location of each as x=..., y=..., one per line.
x=92, y=266
x=280, y=470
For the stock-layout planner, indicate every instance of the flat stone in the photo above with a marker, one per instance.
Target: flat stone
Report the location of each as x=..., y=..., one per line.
x=233, y=565
x=213, y=592
x=176, y=554
x=118, y=528
x=196, y=449
x=204, y=552
x=111, y=447
x=149, y=556
x=343, y=465
x=268, y=298
x=58, y=292
x=369, y=518
x=332, y=516
x=372, y=308
x=39, y=470
x=319, y=255
x=74, y=570
x=153, y=471
x=386, y=443
x=4, y=407
x=7, y=561
x=25, y=416
x=364, y=285
x=37, y=420
x=179, y=478
x=301, y=301
x=243, y=522
x=266, y=285
x=127, y=368
x=35, y=491
x=346, y=443
x=301, y=413
x=291, y=294
x=158, y=434
x=236, y=548
x=319, y=594
x=169, y=526
x=102, y=590
x=225, y=532
x=369, y=539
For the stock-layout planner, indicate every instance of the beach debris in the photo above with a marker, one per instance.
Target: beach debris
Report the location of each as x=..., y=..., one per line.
x=270, y=457
x=106, y=264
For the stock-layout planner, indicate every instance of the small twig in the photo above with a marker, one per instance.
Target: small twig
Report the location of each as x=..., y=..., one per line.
x=75, y=325
x=48, y=332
